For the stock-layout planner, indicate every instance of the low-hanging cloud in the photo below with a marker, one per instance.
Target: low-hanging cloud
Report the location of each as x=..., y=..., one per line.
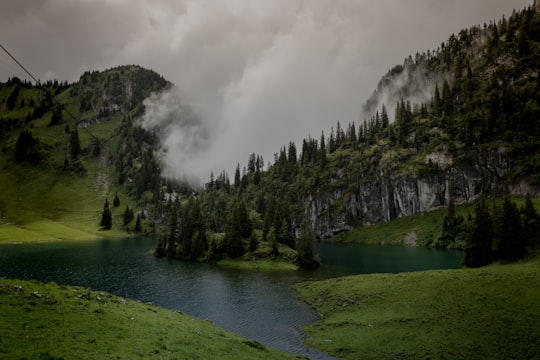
x=183, y=134
x=250, y=76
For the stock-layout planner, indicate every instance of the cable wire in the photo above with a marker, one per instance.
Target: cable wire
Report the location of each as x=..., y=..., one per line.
x=53, y=98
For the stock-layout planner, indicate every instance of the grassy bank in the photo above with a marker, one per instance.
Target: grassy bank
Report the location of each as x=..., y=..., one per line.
x=417, y=228
x=47, y=321
x=485, y=313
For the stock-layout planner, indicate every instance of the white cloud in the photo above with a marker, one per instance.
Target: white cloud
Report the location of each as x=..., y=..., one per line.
x=257, y=73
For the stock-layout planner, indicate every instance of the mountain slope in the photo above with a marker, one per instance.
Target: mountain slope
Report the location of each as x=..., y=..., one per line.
x=55, y=178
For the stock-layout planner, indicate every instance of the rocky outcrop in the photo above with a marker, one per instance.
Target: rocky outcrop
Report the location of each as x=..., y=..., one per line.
x=389, y=197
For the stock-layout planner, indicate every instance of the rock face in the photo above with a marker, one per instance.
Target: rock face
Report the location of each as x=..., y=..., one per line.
x=387, y=198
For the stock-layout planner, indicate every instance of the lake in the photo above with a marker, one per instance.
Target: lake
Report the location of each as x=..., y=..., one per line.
x=256, y=304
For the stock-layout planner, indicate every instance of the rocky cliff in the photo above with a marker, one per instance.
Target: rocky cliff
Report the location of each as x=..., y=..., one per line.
x=386, y=197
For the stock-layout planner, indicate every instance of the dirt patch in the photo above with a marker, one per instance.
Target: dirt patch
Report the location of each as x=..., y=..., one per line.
x=410, y=239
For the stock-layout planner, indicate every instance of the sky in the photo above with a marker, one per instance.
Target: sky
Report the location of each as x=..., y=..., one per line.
x=250, y=75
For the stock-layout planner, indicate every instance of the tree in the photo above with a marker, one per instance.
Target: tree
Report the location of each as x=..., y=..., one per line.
x=305, y=246
x=437, y=102
x=237, y=178
x=56, y=117
x=74, y=144
x=453, y=228
x=385, y=121
x=106, y=216
x=138, y=227
x=238, y=228
x=26, y=148
x=128, y=216
x=531, y=223
x=96, y=147
x=509, y=242
x=116, y=201
x=271, y=237
x=479, y=237
x=12, y=98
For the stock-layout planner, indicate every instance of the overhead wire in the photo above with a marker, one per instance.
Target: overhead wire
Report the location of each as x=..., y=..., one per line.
x=52, y=97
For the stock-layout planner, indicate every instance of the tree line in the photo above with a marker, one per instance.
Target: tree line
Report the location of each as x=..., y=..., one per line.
x=496, y=231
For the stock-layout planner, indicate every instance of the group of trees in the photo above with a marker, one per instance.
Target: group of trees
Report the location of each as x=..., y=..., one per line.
x=106, y=222
x=500, y=232
x=504, y=233
x=196, y=231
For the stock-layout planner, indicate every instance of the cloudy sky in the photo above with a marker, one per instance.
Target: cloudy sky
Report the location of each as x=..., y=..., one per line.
x=257, y=73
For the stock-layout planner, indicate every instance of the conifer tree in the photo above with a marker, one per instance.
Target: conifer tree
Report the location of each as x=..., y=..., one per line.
x=237, y=179
x=385, y=121
x=509, y=242
x=138, y=227
x=305, y=246
x=238, y=228
x=531, y=224
x=106, y=216
x=128, y=216
x=116, y=201
x=479, y=237
x=74, y=144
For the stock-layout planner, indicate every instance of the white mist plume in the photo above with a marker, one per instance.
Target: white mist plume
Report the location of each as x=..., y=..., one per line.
x=183, y=135
x=414, y=83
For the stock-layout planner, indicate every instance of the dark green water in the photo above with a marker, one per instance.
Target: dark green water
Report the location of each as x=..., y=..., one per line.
x=258, y=305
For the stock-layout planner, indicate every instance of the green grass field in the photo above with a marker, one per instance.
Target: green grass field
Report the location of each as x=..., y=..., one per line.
x=47, y=321
x=487, y=313
x=40, y=204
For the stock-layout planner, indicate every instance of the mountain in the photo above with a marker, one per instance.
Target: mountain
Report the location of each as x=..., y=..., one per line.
x=443, y=128
x=66, y=148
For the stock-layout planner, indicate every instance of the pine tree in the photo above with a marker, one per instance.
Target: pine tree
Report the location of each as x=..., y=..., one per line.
x=116, y=201
x=74, y=144
x=238, y=228
x=479, y=237
x=305, y=247
x=237, y=179
x=138, y=227
x=531, y=224
x=509, y=241
x=437, y=102
x=271, y=237
x=384, y=117
x=56, y=117
x=128, y=216
x=106, y=216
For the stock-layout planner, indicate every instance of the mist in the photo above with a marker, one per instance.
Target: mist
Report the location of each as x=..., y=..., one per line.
x=249, y=76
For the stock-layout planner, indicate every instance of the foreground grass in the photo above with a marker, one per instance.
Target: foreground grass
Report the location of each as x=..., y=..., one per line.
x=48, y=321
x=487, y=313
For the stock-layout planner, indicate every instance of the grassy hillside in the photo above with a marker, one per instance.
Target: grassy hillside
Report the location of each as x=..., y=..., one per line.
x=59, y=194
x=486, y=313
x=47, y=321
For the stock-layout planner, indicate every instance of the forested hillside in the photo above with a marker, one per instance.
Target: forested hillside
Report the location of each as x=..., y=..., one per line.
x=68, y=148
x=444, y=127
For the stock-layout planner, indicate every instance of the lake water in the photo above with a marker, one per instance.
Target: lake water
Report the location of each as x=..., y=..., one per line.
x=258, y=305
